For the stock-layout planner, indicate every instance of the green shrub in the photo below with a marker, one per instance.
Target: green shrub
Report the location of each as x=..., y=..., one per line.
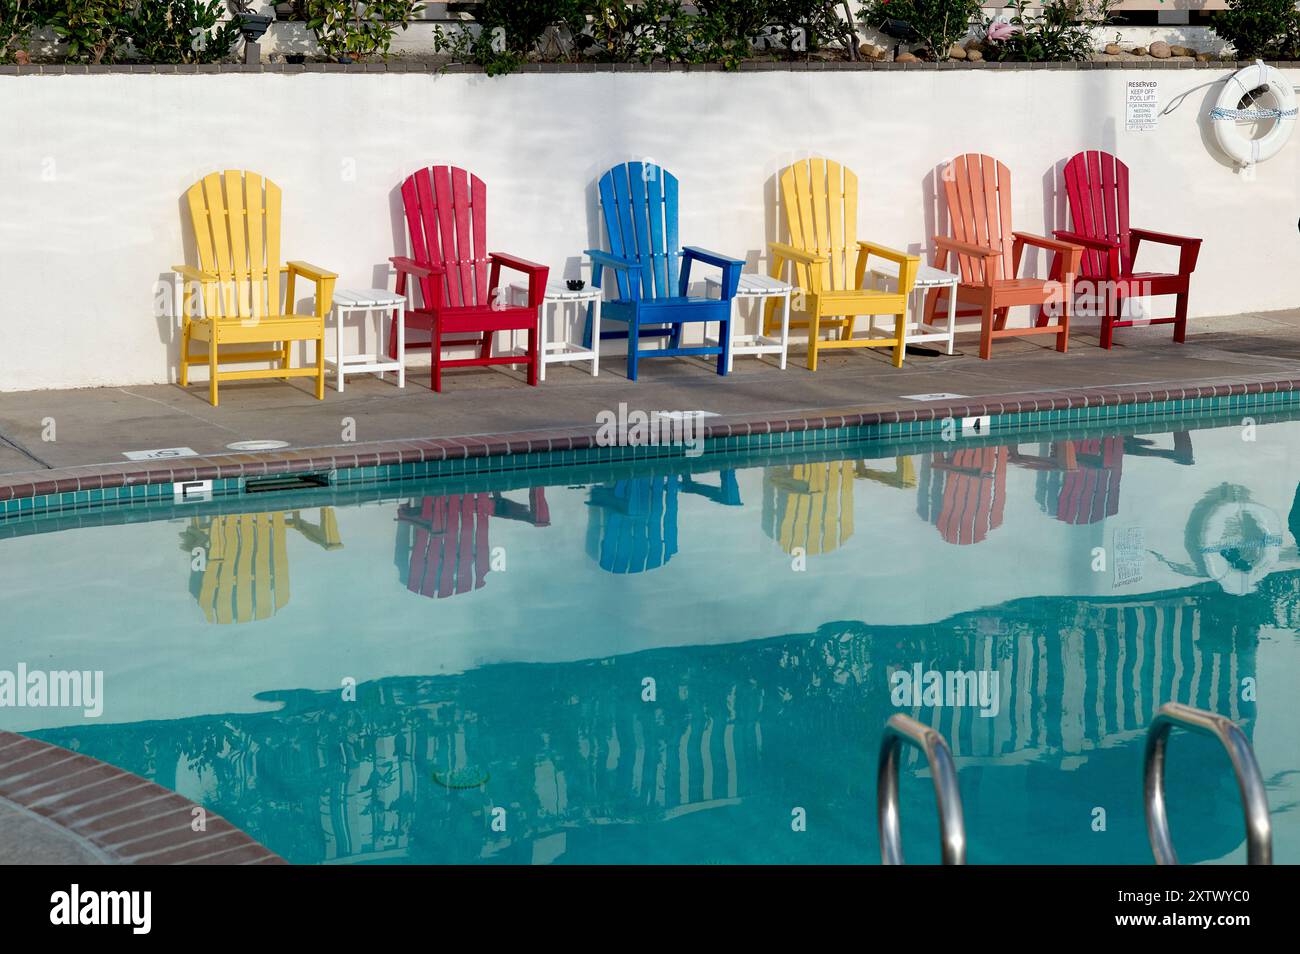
x=182, y=31
x=17, y=20
x=95, y=31
x=1062, y=31
x=508, y=31
x=654, y=29
x=1268, y=29
x=806, y=26
x=938, y=23
x=358, y=29
x=523, y=22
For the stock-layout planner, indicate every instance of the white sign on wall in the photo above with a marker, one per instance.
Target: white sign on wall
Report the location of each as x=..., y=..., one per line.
x=1141, y=105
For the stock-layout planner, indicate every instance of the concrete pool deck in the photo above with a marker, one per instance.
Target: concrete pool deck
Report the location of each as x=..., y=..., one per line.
x=494, y=411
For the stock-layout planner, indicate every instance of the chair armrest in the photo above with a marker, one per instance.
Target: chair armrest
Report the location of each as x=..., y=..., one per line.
x=191, y=274
x=782, y=250
x=519, y=264
x=323, y=280
x=987, y=254
x=966, y=248
x=731, y=268
x=1087, y=241
x=711, y=258
x=1162, y=238
x=410, y=266
x=1042, y=241
x=613, y=261
x=537, y=275
x=313, y=273
x=1188, y=248
x=885, y=252
x=908, y=265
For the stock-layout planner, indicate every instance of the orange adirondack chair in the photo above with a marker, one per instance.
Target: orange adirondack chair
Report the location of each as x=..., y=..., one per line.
x=988, y=254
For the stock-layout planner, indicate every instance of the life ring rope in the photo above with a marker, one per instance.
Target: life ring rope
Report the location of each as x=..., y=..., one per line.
x=1219, y=112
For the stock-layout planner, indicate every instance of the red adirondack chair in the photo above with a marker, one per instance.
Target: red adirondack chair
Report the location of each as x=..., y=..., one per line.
x=988, y=254
x=1097, y=186
x=459, y=282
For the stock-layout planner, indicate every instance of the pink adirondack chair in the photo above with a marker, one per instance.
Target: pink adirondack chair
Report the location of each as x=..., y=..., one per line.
x=459, y=281
x=988, y=254
x=1096, y=184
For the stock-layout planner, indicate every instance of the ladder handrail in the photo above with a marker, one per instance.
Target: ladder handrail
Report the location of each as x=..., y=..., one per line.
x=1259, y=828
x=952, y=829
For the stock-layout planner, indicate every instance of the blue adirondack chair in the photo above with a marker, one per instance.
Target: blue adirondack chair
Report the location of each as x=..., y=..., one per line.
x=639, y=201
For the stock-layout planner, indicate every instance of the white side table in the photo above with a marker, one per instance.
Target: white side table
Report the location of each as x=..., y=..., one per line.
x=927, y=278
x=556, y=344
x=376, y=300
x=756, y=288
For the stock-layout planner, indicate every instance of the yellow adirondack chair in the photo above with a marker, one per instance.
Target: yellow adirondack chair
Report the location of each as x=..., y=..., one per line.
x=236, y=218
x=820, y=199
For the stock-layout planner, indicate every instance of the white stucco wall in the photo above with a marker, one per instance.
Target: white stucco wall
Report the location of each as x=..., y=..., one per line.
x=93, y=170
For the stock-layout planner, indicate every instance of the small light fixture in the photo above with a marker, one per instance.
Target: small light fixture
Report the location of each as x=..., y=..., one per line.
x=900, y=30
x=253, y=27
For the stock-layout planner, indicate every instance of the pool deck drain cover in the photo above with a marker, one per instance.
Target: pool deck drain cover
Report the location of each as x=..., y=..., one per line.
x=160, y=453
x=256, y=445
x=933, y=396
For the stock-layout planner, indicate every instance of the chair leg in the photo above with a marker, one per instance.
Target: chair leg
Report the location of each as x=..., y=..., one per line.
x=1000, y=321
x=814, y=333
x=212, y=368
x=900, y=334
x=534, y=356
x=724, y=356
x=1108, y=327
x=1063, y=336
x=633, y=343
x=1180, y=313
x=435, y=360
x=320, y=367
x=986, y=330
x=184, y=375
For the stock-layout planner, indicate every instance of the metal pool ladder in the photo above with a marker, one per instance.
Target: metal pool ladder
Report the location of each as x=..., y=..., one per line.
x=902, y=729
x=1259, y=829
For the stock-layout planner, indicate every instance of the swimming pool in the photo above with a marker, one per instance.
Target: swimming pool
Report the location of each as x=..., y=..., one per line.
x=691, y=660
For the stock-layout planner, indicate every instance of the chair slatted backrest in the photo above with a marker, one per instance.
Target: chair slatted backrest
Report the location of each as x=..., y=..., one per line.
x=1096, y=186
x=446, y=218
x=978, y=189
x=820, y=198
x=639, y=202
x=236, y=218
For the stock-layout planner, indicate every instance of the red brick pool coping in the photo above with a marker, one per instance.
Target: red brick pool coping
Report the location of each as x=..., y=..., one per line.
x=211, y=467
x=119, y=816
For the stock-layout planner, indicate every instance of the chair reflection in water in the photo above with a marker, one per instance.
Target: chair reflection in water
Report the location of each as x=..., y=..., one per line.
x=964, y=492
x=632, y=523
x=810, y=506
x=442, y=544
x=244, y=573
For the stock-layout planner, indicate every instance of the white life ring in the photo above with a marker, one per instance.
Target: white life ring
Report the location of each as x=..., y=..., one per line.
x=1223, y=116
x=1222, y=531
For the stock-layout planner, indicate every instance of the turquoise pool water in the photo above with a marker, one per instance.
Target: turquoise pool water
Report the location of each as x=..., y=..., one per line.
x=690, y=660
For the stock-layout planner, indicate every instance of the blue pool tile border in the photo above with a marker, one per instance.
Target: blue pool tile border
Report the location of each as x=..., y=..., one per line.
x=81, y=488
